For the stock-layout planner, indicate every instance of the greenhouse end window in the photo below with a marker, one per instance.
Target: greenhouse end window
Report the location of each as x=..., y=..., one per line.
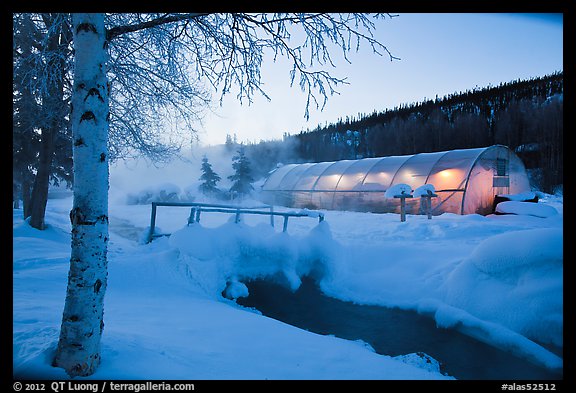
x=501, y=166
x=501, y=178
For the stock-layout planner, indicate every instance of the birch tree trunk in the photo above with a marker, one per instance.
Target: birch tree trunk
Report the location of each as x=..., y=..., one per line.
x=82, y=322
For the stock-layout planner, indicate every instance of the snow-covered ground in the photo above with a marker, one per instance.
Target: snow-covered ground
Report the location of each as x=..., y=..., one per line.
x=497, y=278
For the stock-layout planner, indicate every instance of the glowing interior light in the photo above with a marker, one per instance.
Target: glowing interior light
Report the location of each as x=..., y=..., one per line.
x=445, y=173
x=332, y=180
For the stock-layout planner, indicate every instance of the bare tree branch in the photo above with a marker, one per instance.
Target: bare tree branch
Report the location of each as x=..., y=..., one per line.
x=167, y=18
x=227, y=50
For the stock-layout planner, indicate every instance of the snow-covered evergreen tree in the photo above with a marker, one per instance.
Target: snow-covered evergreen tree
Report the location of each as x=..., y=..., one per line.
x=41, y=131
x=210, y=179
x=242, y=178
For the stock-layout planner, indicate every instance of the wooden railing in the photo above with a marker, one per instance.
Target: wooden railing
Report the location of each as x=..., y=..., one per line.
x=197, y=208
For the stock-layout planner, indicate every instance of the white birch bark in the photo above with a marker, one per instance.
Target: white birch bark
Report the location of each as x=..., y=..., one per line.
x=82, y=322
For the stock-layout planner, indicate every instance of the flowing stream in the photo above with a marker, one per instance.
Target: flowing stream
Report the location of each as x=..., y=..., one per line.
x=390, y=331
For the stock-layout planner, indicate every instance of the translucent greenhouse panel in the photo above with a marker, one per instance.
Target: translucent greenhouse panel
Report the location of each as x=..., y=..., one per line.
x=381, y=174
x=413, y=206
x=447, y=202
x=485, y=181
x=448, y=176
x=267, y=197
x=276, y=177
x=321, y=200
x=349, y=201
x=449, y=179
x=519, y=181
x=292, y=177
x=479, y=194
x=283, y=198
x=451, y=170
x=376, y=202
x=416, y=169
x=276, y=198
x=308, y=178
x=331, y=176
x=303, y=200
x=354, y=174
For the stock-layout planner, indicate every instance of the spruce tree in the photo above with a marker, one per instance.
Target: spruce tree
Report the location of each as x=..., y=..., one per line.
x=209, y=178
x=242, y=178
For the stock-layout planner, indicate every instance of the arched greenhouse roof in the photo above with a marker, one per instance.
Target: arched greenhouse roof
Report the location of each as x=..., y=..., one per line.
x=454, y=171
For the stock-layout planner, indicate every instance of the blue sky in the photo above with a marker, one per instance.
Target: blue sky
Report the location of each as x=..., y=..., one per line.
x=439, y=54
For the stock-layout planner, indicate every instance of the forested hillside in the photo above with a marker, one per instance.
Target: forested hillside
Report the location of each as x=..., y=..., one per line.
x=525, y=115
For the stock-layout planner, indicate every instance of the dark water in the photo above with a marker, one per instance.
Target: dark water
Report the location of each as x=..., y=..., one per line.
x=390, y=331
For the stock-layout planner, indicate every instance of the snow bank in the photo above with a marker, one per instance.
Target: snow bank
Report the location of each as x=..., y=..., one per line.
x=526, y=208
x=522, y=196
x=507, y=292
x=514, y=279
x=40, y=268
x=496, y=335
x=161, y=324
x=220, y=258
x=420, y=359
x=499, y=277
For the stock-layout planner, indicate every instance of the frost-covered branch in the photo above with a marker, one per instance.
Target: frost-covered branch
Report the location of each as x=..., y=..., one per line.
x=150, y=87
x=227, y=50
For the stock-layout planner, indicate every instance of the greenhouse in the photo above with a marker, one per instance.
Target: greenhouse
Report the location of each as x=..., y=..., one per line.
x=465, y=181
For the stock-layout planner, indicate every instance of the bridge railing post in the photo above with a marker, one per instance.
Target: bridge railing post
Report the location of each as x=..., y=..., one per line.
x=152, y=223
